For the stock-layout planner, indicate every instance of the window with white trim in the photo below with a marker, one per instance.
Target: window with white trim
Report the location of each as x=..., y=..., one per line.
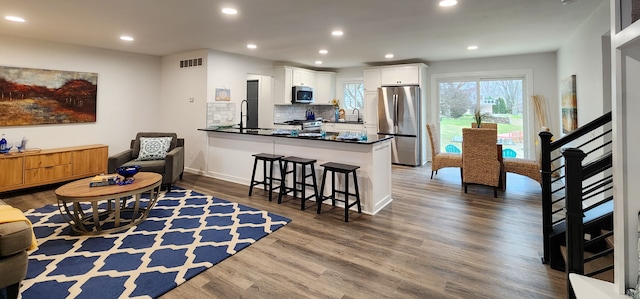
x=352, y=94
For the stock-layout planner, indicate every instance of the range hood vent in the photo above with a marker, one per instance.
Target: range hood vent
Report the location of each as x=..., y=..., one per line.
x=190, y=62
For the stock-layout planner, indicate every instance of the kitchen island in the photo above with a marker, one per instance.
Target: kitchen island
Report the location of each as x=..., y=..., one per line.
x=229, y=157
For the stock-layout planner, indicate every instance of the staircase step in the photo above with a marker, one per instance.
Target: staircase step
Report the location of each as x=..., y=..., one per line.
x=609, y=239
x=590, y=217
x=594, y=265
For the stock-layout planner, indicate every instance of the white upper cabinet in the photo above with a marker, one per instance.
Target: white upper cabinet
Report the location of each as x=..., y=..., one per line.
x=282, y=85
x=304, y=77
x=409, y=74
x=371, y=79
x=285, y=77
x=325, y=89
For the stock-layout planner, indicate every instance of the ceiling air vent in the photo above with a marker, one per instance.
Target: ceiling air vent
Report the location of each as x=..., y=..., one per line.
x=190, y=62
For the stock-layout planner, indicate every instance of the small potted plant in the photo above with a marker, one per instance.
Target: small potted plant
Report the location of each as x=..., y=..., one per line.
x=479, y=116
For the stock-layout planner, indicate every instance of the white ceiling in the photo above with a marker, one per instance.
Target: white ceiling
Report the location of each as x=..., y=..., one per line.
x=292, y=31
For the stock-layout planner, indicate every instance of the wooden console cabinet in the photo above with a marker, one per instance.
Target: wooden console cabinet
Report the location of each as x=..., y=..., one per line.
x=30, y=169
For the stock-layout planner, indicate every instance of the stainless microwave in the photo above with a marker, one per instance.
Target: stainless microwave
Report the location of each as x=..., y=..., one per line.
x=301, y=94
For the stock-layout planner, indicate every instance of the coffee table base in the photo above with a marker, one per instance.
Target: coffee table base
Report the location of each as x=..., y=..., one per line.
x=115, y=217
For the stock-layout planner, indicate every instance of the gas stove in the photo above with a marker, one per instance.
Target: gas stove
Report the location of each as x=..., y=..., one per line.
x=306, y=125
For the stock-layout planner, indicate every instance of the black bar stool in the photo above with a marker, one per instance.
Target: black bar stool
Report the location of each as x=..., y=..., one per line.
x=267, y=180
x=302, y=185
x=346, y=170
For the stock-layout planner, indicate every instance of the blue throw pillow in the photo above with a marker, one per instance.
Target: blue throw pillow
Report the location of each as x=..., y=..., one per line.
x=153, y=148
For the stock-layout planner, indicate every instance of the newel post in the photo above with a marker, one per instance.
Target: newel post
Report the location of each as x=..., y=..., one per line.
x=547, y=208
x=573, y=206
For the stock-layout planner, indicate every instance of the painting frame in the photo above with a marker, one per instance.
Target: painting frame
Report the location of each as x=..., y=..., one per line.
x=223, y=94
x=30, y=96
x=569, y=104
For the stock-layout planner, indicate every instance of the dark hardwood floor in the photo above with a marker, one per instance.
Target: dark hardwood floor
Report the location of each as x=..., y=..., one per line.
x=432, y=241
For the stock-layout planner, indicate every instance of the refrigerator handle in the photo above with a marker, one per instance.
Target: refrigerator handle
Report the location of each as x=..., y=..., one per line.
x=395, y=110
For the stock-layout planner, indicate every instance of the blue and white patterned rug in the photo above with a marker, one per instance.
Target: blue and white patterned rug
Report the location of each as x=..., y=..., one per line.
x=185, y=233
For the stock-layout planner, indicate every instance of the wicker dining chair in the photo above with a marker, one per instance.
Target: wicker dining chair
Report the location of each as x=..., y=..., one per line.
x=480, y=158
x=439, y=159
x=527, y=167
x=485, y=125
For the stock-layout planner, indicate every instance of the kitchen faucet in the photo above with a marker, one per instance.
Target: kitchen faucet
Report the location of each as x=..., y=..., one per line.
x=354, y=111
x=241, y=115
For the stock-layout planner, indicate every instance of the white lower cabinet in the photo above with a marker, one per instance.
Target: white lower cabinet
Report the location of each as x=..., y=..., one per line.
x=353, y=128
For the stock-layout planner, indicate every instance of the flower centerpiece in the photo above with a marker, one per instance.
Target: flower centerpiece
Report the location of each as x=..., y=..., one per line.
x=336, y=106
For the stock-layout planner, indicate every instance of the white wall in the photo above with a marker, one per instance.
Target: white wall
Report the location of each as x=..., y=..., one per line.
x=178, y=114
x=127, y=100
x=349, y=73
x=582, y=55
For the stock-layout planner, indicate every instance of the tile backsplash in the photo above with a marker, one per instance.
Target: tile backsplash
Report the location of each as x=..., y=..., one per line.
x=219, y=114
x=224, y=114
x=282, y=113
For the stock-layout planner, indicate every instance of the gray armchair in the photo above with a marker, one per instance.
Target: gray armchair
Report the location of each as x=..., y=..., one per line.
x=171, y=168
x=15, y=240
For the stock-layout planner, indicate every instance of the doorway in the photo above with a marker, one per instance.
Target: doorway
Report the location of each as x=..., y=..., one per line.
x=252, y=103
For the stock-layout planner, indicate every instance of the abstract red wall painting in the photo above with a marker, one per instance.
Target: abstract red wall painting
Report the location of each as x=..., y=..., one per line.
x=37, y=96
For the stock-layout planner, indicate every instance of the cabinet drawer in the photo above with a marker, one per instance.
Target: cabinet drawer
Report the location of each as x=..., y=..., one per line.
x=47, y=160
x=37, y=175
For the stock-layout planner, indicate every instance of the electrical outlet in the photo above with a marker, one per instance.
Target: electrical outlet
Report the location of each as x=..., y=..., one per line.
x=191, y=99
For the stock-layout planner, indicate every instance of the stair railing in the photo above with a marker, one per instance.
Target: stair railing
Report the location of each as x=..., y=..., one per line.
x=576, y=194
x=553, y=177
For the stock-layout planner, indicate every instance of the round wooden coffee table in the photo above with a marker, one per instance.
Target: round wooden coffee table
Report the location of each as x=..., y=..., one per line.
x=116, y=214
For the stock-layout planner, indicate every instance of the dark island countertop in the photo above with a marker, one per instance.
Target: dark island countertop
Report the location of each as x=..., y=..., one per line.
x=330, y=136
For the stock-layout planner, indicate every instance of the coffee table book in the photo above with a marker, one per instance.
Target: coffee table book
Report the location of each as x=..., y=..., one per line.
x=103, y=180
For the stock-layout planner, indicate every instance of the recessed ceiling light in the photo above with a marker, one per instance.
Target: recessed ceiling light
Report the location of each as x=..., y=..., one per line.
x=388, y=56
x=565, y=2
x=229, y=11
x=337, y=33
x=318, y=62
x=446, y=3
x=14, y=19
x=251, y=46
x=126, y=38
x=472, y=47
x=323, y=51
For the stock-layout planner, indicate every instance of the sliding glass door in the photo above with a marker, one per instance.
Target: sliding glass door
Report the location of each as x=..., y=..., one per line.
x=500, y=99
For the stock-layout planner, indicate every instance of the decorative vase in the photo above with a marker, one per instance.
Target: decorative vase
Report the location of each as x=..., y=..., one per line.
x=337, y=114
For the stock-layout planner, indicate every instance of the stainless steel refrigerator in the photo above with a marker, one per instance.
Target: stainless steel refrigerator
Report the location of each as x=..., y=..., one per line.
x=399, y=115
